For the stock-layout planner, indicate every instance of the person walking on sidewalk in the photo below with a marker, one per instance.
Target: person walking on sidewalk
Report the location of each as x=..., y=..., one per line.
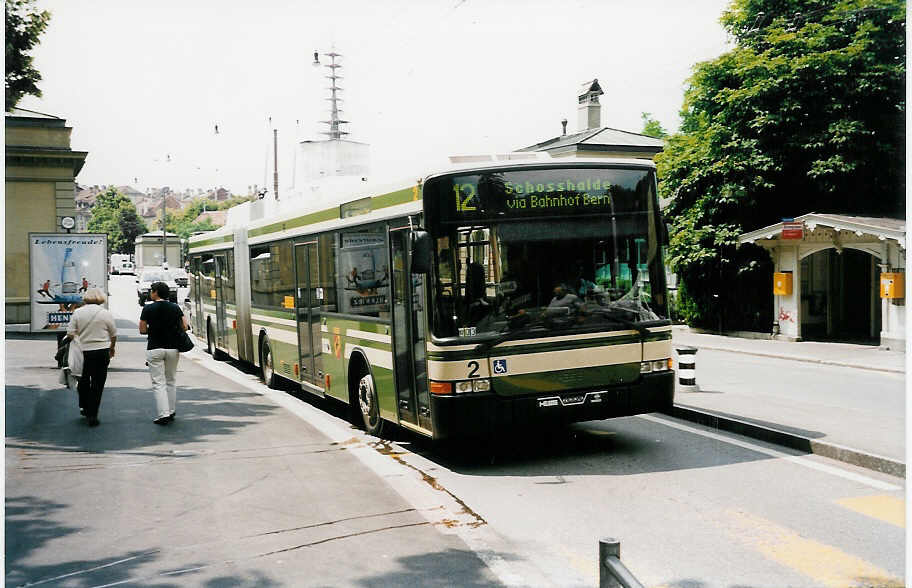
x=93, y=327
x=161, y=321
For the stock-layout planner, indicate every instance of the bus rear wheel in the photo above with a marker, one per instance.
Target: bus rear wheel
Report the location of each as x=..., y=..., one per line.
x=266, y=361
x=369, y=405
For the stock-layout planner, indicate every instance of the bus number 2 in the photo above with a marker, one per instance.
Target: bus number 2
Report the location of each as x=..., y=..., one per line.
x=467, y=190
x=473, y=365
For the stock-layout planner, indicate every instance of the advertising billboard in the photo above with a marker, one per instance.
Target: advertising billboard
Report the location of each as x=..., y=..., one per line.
x=62, y=266
x=362, y=263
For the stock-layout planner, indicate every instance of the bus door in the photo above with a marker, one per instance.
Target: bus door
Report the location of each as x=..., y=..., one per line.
x=221, y=269
x=409, y=336
x=197, y=294
x=308, y=298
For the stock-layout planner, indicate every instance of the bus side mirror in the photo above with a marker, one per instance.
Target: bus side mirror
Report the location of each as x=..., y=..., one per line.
x=421, y=252
x=666, y=240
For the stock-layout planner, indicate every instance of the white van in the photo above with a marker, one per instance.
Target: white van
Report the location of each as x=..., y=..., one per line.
x=121, y=264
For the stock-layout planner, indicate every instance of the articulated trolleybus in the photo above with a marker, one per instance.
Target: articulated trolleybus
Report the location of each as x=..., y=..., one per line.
x=496, y=293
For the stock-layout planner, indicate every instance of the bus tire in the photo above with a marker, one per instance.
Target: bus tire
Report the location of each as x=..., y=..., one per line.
x=266, y=363
x=368, y=404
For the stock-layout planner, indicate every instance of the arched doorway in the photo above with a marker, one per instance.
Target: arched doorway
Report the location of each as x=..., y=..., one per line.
x=839, y=297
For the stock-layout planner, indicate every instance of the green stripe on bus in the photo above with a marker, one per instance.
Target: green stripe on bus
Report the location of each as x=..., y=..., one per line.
x=393, y=198
x=377, y=202
x=272, y=325
x=299, y=221
x=212, y=241
x=285, y=314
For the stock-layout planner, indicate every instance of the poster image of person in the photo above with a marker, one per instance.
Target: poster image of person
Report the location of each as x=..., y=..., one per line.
x=45, y=289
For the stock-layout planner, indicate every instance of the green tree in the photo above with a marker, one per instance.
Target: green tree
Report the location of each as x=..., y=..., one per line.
x=24, y=25
x=652, y=127
x=115, y=215
x=805, y=114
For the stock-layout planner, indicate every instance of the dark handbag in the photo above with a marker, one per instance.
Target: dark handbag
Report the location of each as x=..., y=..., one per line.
x=184, y=343
x=62, y=352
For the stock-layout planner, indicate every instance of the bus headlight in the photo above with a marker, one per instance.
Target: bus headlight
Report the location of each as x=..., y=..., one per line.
x=658, y=365
x=483, y=385
x=478, y=385
x=463, y=387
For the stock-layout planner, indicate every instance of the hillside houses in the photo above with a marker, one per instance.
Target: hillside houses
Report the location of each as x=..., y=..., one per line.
x=148, y=203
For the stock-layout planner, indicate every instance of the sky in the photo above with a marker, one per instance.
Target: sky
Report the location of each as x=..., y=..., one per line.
x=143, y=84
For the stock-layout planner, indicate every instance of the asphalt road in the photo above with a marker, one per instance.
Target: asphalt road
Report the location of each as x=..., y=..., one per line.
x=691, y=507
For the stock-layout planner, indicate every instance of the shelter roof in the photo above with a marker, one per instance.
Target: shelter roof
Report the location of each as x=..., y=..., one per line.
x=881, y=228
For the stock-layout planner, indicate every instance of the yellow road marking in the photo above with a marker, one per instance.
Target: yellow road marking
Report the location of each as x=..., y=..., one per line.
x=889, y=509
x=826, y=565
x=588, y=566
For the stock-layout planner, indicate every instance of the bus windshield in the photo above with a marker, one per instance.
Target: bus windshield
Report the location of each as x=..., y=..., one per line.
x=581, y=260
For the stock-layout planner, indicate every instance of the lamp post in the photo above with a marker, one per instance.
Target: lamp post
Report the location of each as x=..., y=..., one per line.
x=164, y=229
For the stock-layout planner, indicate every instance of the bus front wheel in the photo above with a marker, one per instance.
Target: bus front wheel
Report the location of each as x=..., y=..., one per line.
x=369, y=404
x=266, y=361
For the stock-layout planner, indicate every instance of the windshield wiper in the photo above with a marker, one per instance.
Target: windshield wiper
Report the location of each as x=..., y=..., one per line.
x=610, y=312
x=506, y=336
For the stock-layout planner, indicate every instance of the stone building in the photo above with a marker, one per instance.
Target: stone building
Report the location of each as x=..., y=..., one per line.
x=41, y=170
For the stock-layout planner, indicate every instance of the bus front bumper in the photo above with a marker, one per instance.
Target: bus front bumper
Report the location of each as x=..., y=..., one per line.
x=480, y=415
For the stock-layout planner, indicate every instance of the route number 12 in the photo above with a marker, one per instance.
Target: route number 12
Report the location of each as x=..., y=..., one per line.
x=465, y=193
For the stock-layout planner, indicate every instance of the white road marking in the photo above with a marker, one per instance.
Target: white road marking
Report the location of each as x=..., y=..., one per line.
x=801, y=460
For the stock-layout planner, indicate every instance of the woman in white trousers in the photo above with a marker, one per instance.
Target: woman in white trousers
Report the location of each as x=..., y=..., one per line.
x=162, y=321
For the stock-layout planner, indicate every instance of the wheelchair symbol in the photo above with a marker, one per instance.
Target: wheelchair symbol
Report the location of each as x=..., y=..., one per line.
x=500, y=366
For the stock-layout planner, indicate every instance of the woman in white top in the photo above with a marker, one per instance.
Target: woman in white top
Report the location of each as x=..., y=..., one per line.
x=93, y=327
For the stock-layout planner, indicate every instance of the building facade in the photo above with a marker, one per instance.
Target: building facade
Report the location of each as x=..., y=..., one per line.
x=41, y=170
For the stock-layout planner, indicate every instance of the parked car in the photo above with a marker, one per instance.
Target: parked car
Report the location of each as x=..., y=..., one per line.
x=151, y=275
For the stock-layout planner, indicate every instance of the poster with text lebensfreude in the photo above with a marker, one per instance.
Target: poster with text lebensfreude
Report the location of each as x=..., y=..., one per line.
x=61, y=268
x=365, y=272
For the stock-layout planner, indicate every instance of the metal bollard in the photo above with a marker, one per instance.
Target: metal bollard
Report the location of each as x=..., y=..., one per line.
x=613, y=573
x=687, y=369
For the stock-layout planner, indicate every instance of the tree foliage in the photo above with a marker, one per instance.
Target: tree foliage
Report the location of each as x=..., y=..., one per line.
x=115, y=215
x=805, y=114
x=24, y=25
x=183, y=222
x=652, y=127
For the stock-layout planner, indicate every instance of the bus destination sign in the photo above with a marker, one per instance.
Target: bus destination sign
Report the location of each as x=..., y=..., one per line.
x=538, y=193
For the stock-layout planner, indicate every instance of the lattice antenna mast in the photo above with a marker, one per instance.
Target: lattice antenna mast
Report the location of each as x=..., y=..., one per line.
x=335, y=132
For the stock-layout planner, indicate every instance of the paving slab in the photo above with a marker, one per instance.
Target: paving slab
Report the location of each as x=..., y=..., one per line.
x=237, y=491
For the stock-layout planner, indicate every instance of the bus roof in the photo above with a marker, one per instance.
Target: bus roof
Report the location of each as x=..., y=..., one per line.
x=379, y=201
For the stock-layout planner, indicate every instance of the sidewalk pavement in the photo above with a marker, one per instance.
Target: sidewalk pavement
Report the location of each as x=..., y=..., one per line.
x=845, y=354
x=791, y=394
x=237, y=491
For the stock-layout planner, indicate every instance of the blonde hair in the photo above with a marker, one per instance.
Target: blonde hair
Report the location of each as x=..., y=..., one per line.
x=94, y=296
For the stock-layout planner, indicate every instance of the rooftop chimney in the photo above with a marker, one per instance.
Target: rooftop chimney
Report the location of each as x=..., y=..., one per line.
x=564, y=125
x=589, y=110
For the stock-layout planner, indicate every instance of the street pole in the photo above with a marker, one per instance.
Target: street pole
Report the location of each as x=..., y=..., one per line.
x=275, y=161
x=164, y=231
